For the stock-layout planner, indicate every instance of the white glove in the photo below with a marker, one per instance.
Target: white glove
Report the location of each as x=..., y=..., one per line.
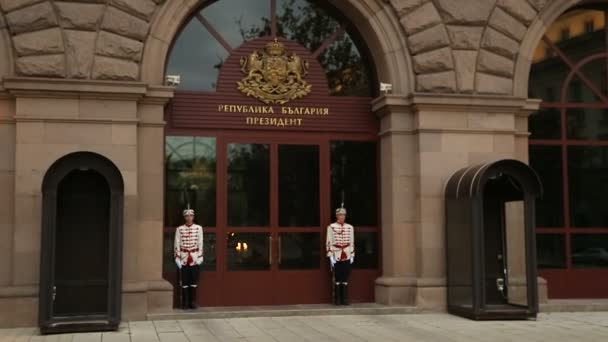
x=332, y=261
x=352, y=259
x=178, y=262
x=199, y=261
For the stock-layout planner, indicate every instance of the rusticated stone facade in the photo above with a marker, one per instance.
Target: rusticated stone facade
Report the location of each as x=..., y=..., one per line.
x=87, y=75
x=456, y=46
x=94, y=39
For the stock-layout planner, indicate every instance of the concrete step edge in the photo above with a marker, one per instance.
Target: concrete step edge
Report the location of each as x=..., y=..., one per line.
x=281, y=313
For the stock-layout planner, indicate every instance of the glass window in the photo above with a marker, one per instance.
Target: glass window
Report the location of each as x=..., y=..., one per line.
x=248, y=185
x=300, y=251
x=190, y=179
x=197, y=58
x=545, y=124
x=304, y=22
x=550, y=251
x=366, y=250
x=547, y=162
x=588, y=123
x=588, y=184
x=197, y=55
x=354, y=180
x=239, y=20
x=590, y=250
x=547, y=72
x=248, y=251
x=209, y=252
x=345, y=68
x=299, y=186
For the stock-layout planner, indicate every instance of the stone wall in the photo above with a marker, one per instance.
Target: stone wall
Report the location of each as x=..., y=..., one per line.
x=466, y=46
x=455, y=46
x=93, y=39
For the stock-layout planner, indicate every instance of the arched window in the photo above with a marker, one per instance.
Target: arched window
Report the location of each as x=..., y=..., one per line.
x=207, y=40
x=569, y=149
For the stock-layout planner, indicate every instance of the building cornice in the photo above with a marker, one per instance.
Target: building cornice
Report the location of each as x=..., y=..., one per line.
x=31, y=87
x=455, y=103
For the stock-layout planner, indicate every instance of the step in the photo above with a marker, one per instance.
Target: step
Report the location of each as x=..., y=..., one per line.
x=282, y=311
x=575, y=305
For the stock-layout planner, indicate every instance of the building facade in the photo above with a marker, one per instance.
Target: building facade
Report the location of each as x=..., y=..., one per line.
x=263, y=116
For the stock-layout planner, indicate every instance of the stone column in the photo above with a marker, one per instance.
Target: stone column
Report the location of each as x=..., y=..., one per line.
x=150, y=292
x=398, y=188
x=424, y=139
x=120, y=120
x=455, y=131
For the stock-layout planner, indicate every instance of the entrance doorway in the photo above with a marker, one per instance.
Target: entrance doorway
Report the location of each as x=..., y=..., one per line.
x=269, y=131
x=265, y=204
x=81, y=266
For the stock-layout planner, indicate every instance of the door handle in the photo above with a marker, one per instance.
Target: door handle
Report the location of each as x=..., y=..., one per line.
x=270, y=250
x=500, y=284
x=54, y=292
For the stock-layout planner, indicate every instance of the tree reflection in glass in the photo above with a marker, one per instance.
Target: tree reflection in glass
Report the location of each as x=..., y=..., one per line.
x=248, y=185
x=225, y=25
x=190, y=164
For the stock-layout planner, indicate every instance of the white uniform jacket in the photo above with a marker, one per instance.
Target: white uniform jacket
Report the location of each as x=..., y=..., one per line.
x=340, y=241
x=188, y=245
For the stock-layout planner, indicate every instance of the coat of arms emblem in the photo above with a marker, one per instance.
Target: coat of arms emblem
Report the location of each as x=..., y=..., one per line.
x=274, y=76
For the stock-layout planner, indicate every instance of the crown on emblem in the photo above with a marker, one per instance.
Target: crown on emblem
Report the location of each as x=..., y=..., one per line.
x=275, y=48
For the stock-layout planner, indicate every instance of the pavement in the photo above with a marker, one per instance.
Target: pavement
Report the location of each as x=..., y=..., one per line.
x=571, y=327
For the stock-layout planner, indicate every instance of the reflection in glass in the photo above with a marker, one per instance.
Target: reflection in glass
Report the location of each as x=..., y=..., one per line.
x=575, y=21
x=300, y=251
x=514, y=250
x=547, y=162
x=197, y=58
x=550, y=251
x=545, y=124
x=590, y=250
x=190, y=179
x=299, y=186
x=248, y=185
x=304, y=22
x=354, y=178
x=547, y=76
x=239, y=20
x=588, y=184
x=366, y=250
x=588, y=123
x=248, y=251
x=345, y=68
x=208, y=252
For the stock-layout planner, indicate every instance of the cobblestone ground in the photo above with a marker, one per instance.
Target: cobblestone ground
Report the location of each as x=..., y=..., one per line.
x=577, y=327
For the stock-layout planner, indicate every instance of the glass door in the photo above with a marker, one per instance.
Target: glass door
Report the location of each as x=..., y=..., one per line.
x=273, y=231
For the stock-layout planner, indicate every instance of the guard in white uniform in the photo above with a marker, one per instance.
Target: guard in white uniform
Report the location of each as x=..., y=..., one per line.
x=341, y=252
x=188, y=250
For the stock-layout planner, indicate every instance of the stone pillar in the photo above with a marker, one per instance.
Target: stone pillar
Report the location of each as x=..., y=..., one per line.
x=119, y=120
x=456, y=131
x=398, y=188
x=425, y=139
x=151, y=292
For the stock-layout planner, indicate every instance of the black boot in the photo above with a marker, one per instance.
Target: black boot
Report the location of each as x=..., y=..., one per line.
x=337, y=294
x=193, y=304
x=185, y=298
x=344, y=294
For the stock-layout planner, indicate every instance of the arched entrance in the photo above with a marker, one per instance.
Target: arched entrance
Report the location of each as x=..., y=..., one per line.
x=269, y=130
x=81, y=263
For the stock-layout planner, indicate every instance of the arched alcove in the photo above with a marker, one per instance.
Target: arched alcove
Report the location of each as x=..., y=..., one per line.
x=81, y=248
